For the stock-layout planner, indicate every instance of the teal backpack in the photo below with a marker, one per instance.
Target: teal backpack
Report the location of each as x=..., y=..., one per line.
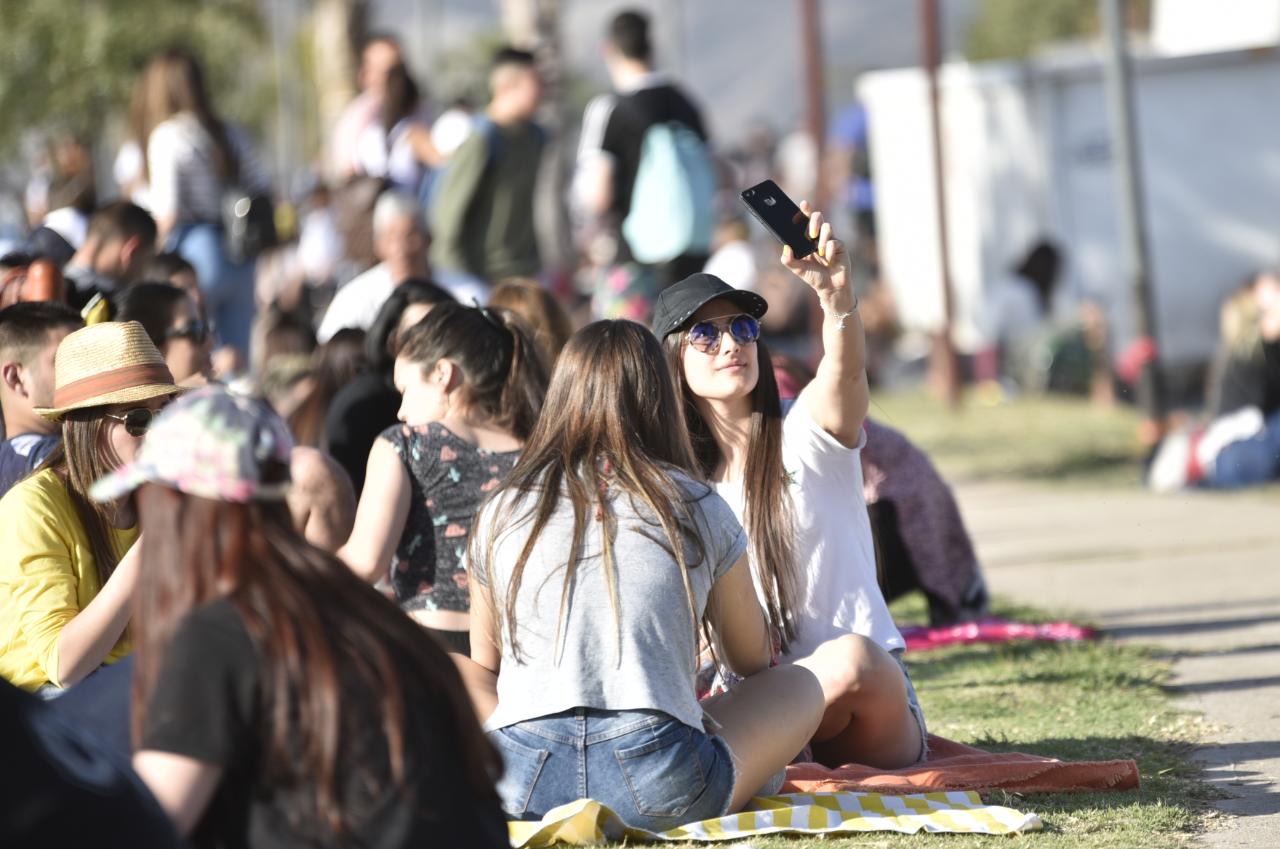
x=672, y=201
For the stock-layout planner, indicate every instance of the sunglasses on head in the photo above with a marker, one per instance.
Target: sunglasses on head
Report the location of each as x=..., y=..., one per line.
x=136, y=421
x=197, y=331
x=705, y=336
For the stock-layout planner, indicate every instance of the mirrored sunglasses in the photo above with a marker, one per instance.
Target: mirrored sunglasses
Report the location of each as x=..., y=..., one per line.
x=136, y=421
x=705, y=336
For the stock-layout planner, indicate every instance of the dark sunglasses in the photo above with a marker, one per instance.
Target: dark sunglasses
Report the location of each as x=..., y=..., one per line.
x=136, y=421
x=705, y=335
x=197, y=331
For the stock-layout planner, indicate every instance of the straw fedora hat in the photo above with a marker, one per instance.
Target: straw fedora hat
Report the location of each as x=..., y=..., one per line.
x=110, y=363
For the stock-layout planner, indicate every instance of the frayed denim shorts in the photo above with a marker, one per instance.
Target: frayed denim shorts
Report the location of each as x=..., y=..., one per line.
x=653, y=771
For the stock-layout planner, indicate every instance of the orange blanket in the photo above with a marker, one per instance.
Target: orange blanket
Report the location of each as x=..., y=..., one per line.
x=955, y=766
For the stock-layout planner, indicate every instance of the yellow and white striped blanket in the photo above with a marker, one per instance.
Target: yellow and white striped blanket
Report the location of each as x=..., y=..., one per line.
x=585, y=822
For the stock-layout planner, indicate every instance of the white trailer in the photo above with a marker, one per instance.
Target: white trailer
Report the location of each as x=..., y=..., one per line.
x=1027, y=152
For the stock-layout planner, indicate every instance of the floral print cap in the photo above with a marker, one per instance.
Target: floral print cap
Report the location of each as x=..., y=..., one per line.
x=210, y=443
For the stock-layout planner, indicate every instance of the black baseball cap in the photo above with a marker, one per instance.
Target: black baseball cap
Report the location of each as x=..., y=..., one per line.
x=677, y=303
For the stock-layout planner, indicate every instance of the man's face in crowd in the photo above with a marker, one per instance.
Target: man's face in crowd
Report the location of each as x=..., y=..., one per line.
x=518, y=86
x=402, y=245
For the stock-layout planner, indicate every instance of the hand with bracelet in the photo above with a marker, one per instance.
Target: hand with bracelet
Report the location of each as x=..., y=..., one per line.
x=826, y=270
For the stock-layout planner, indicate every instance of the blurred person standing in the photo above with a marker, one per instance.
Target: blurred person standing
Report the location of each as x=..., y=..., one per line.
x=29, y=337
x=482, y=213
x=193, y=159
x=119, y=245
x=381, y=53
x=398, y=147
x=610, y=155
x=400, y=242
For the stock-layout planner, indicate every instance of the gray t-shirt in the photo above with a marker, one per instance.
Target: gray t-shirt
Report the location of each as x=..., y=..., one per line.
x=643, y=659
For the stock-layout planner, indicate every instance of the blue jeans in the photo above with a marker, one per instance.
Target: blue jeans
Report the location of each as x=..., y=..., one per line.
x=227, y=286
x=653, y=771
x=1249, y=462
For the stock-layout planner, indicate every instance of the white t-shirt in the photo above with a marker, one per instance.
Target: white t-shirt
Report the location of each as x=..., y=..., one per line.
x=357, y=303
x=390, y=155
x=838, y=592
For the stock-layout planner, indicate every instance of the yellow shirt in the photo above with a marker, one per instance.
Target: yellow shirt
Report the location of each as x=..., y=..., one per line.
x=47, y=576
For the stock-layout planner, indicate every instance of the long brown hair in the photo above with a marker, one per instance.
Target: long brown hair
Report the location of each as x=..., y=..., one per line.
x=542, y=313
x=174, y=84
x=504, y=377
x=316, y=626
x=768, y=514
x=609, y=429
x=83, y=456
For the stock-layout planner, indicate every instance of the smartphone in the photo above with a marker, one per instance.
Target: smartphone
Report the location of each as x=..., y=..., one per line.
x=780, y=215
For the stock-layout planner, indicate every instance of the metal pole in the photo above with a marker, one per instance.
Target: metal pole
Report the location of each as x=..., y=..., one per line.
x=815, y=92
x=1151, y=392
x=945, y=364
x=815, y=123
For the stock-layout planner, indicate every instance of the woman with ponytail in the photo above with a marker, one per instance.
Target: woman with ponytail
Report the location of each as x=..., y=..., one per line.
x=472, y=383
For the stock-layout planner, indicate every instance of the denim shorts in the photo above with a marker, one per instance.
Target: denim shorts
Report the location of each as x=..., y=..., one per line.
x=653, y=771
x=913, y=704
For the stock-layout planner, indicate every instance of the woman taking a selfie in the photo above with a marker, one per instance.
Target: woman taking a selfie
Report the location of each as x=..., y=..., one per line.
x=796, y=485
x=278, y=699
x=597, y=569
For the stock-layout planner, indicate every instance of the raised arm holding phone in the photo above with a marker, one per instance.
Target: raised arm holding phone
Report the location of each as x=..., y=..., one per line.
x=796, y=483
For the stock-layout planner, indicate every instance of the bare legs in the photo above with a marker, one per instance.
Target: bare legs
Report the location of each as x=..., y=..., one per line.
x=848, y=699
x=766, y=720
x=866, y=720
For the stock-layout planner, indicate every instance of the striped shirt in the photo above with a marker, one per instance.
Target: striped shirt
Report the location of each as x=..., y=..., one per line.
x=185, y=184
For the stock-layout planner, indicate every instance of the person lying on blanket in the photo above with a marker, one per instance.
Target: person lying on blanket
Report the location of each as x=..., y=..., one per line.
x=796, y=486
x=595, y=567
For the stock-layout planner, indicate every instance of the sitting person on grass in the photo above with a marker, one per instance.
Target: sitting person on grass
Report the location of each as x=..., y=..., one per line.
x=597, y=568
x=796, y=486
x=473, y=383
x=281, y=701
x=68, y=576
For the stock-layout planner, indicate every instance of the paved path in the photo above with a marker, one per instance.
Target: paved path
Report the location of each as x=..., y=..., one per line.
x=1197, y=574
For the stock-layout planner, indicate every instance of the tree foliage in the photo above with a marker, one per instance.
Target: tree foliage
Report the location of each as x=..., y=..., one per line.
x=71, y=64
x=1013, y=29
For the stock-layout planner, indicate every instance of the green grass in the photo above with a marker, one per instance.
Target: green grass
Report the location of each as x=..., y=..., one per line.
x=1096, y=701
x=1063, y=440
